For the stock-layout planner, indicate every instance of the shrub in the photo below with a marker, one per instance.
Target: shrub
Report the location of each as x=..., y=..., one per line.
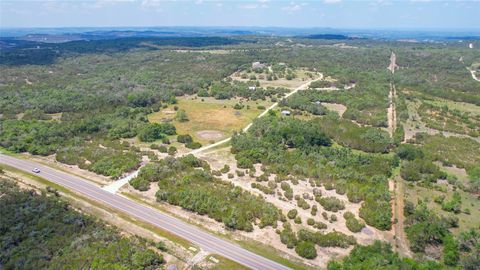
x=172, y=150
x=320, y=226
x=333, y=218
x=292, y=213
x=306, y=250
x=240, y=173
x=193, y=145
x=331, y=204
x=354, y=225
x=184, y=138
x=451, y=254
x=298, y=220
x=311, y=221
x=225, y=169
x=287, y=236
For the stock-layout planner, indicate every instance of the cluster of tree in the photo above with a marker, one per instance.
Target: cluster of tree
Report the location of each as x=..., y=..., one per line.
x=303, y=103
x=424, y=227
x=438, y=72
x=188, y=182
x=366, y=104
x=188, y=141
x=445, y=119
x=361, y=176
x=39, y=53
x=155, y=131
x=461, y=152
x=108, y=158
x=135, y=78
x=346, y=133
x=378, y=256
x=331, y=203
x=43, y=232
x=84, y=139
x=230, y=89
x=45, y=137
x=353, y=224
x=304, y=241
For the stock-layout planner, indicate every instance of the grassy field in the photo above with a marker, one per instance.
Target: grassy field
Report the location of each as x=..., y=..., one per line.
x=225, y=263
x=210, y=120
x=453, y=105
x=413, y=193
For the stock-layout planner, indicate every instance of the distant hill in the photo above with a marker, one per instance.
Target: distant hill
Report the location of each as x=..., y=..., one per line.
x=328, y=36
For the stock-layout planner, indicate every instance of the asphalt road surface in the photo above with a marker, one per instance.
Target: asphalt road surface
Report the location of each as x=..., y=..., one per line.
x=204, y=240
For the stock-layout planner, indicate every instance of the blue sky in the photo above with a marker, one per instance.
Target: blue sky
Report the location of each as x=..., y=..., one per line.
x=385, y=14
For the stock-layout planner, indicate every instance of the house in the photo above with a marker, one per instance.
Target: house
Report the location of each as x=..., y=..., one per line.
x=286, y=113
x=252, y=88
x=257, y=65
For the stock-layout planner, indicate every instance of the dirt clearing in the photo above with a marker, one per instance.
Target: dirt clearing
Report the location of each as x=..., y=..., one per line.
x=210, y=134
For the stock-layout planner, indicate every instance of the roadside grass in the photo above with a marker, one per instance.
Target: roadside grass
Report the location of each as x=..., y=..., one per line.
x=210, y=115
x=183, y=242
x=251, y=245
x=225, y=263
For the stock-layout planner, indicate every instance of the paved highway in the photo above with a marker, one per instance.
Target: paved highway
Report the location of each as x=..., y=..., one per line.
x=141, y=212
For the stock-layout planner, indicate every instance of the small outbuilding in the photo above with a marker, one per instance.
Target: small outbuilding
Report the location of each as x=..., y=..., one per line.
x=257, y=65
x=253, y=88
x=286, y=113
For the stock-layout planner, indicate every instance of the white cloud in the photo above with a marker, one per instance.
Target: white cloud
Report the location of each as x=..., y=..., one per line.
x=331, y=1
x=155, y=5
x=151, y=3
x=255, y=5
x=292, y=7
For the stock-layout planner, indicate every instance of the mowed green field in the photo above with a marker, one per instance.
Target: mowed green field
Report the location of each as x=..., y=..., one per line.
x=210, y=120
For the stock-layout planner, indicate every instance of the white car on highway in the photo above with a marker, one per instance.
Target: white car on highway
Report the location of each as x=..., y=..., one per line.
x=36, y=170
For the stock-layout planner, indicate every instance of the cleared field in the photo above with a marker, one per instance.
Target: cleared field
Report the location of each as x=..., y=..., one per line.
x=210, y=120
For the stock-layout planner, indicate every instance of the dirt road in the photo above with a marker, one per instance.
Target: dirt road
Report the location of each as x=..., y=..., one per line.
x=391, y=111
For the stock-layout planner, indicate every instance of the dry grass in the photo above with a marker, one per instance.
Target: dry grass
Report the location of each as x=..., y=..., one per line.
x=210, y=115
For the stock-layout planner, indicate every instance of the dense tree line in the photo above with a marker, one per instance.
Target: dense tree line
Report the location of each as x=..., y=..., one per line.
x=40, y=231
x=379, y=256
x=188, y=182
x=68, y=138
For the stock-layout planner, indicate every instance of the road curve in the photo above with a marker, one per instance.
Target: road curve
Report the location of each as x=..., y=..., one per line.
x=141, y=212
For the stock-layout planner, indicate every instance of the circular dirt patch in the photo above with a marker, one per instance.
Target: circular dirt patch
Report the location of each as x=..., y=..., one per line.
x=210, y=134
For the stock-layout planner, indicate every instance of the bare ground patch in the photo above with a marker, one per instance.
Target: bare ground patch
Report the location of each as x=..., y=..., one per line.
x=210, y=134
x=336, y=107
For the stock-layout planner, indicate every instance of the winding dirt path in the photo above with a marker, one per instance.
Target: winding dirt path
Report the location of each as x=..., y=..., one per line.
x=391, y=111
x=474, y=74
